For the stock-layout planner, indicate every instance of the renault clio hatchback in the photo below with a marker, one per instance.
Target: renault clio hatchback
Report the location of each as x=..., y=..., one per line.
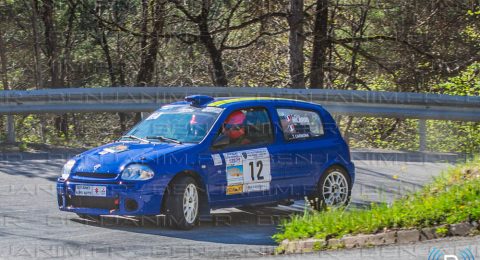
x=206, y=153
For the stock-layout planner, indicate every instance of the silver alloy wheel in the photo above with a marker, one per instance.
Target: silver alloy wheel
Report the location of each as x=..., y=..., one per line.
x=190, y=203
x=335, y=189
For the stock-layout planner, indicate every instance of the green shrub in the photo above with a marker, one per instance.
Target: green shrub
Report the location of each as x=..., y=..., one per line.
x=451, y=198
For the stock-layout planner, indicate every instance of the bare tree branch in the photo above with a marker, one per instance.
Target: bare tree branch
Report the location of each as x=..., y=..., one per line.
x=385, y=38
x=225, y=47
x=182, y=9
x=250, y=22
x=229, y=19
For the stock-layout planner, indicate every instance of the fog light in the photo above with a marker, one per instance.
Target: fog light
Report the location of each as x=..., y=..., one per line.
x=131, y=205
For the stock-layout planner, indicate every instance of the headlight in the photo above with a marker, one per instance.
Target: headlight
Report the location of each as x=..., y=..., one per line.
x=67, y=168
x=137, y=172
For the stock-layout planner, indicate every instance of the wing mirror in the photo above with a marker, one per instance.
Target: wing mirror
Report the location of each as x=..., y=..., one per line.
x=221, y=141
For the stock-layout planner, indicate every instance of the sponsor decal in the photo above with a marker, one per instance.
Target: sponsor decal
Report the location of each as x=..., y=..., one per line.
x=114, y=149
x=297, y=136
x=217, y=159
x=250, y=168
x=234, y=174
x=234, y=189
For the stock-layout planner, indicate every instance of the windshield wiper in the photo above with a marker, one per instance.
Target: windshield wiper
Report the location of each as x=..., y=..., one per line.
x=163, y=138
x=136, y=138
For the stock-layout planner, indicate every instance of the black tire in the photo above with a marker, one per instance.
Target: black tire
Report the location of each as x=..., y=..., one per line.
x=340, y=197
x=176, y=216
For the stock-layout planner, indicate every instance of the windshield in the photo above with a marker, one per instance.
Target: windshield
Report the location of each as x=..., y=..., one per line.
x=182, y=123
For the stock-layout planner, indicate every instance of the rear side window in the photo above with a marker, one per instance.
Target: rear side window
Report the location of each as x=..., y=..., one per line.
x=300, y=124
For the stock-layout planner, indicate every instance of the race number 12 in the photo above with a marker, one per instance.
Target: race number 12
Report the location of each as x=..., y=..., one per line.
x=256, y=168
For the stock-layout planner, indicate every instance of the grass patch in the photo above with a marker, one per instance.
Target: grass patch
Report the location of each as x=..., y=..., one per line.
x=442, y=231
x=451, y=198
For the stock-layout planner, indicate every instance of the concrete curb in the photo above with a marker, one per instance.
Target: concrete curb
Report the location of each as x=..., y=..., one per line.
x=388, y=237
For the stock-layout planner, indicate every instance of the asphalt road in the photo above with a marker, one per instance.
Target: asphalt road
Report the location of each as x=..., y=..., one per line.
x=31, y=226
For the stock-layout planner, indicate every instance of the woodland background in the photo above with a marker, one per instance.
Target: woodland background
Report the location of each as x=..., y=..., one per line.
x=383, y=45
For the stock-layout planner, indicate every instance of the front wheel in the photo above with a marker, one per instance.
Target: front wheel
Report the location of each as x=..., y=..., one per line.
x=183, y=203
x=333, y=189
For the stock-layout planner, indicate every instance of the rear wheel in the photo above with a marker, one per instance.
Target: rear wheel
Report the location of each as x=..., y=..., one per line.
x=333, y=189
x=183, y=203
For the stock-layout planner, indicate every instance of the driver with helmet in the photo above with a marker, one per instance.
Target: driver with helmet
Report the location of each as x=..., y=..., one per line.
x=234, y=128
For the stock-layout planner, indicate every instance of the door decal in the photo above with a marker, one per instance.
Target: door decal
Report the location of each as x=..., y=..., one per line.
x=248, y=171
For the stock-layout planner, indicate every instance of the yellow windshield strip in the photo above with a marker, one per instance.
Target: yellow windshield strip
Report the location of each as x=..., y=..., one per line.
x=233, y=100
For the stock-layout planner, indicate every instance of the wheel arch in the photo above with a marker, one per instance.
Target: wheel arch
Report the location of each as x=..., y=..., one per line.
x=204, y=198
x=316, y=201
x=339, y=165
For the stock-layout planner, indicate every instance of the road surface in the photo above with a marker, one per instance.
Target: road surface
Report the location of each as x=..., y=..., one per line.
x=32, y=226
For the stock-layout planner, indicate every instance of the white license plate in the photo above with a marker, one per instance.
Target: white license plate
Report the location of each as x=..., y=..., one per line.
x=87, y=190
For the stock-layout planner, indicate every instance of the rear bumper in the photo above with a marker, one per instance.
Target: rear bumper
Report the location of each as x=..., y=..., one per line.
x=120, y=199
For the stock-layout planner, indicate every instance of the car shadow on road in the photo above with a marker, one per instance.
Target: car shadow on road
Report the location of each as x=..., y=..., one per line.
x=226, y=226
x=254, y=226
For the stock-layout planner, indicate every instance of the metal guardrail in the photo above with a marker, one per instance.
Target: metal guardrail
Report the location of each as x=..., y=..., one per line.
x=146, y=99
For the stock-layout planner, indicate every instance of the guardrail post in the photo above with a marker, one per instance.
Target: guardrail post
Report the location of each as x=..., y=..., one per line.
x=422, y=132
x=10, y=129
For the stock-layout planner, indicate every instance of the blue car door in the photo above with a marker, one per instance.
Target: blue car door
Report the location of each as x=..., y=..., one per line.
x=244, y=172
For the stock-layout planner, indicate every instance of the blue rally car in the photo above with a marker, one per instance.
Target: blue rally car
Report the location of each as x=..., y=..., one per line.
x=205, y=153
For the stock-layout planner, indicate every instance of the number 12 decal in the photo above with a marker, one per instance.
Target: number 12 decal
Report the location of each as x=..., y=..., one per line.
x=252, y=170
x=249, y=169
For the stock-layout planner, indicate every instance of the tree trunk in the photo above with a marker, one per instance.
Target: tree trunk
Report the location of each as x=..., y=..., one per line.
x=358, y=30
x=320, y=44
x=149, y=52
x=3, y=71
x=219, y=75
x=150, y=43
x=141, y=80
x=328, y=67
x=52, y=56
x=36, y=46
x=3, y=62
x=108, y=59
x=296, y=42
x=51, y=43
x=121, y=71
x=37, y=67
x=65, y=61
x=102, y=39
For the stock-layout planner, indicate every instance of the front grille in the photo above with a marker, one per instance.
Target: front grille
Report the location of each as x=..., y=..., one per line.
x=96, y=175
x=91, y=202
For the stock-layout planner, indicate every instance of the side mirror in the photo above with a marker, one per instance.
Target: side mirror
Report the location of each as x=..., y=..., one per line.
x=221, y=141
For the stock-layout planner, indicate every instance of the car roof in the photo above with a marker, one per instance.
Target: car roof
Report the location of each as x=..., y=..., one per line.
x=225, y=102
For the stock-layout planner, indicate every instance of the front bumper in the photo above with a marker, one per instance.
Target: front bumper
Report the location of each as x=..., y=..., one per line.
x=120, y=199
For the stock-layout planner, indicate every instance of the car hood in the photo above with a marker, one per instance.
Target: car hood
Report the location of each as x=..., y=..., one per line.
x=113, y=157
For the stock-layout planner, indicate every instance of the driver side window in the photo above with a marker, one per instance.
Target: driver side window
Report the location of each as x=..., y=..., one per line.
x=245, y=127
